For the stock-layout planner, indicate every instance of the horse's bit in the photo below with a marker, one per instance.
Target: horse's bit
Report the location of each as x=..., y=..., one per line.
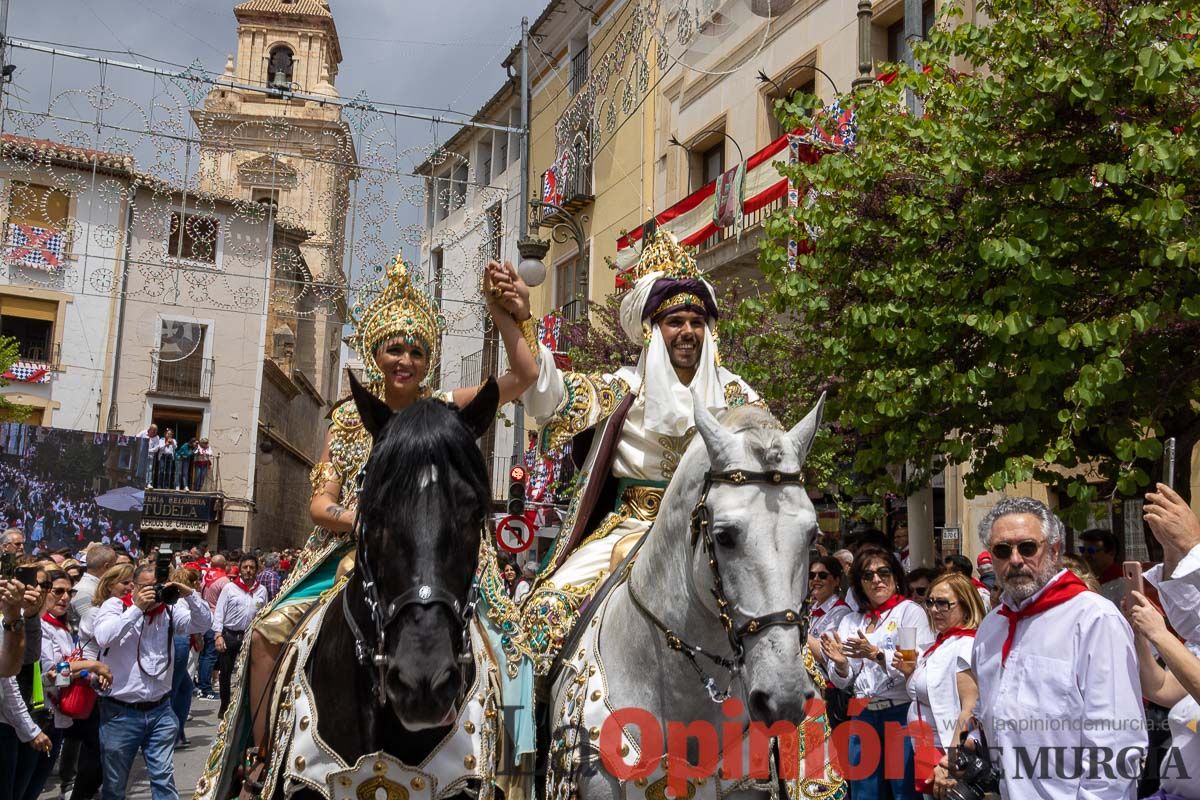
x=701, y=526
x=383, y=617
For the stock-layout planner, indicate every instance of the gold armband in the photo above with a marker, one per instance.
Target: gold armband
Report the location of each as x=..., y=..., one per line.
x=322, y=473
x=529, y=331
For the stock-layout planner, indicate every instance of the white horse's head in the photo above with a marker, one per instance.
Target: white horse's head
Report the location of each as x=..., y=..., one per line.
x=762, y=534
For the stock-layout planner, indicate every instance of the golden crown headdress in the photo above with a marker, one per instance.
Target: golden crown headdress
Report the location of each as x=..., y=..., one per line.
x=662, y=252
x=394, y=305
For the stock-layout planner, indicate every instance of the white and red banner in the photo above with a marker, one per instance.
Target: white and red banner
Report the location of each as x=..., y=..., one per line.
x=28, y=372
x=31, y=246
x=691, y=220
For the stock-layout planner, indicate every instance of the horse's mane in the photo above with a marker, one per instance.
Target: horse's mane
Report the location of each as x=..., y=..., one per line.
x=763, y=437
x=426, y=434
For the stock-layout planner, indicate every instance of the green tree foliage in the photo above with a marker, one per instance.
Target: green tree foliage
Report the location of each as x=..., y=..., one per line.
x=1011, y=278
x=9, y=412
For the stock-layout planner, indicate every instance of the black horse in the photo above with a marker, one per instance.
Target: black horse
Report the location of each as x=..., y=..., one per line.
x=390, y=665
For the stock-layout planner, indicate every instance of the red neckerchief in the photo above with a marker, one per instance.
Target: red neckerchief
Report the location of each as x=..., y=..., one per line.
x=213, y=575
x=1057, y=592
x=127, y=601
x=978, y=584
x=884, y=607
x=247, y=589
x=949, y=633
x=820, y=612
x=55, y=621
x=1113, y=572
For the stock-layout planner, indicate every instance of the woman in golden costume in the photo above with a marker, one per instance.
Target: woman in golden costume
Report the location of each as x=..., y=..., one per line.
x=397, y=334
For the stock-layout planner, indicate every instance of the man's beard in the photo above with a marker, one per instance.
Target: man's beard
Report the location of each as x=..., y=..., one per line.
x=680, y=361
x=1021, y=586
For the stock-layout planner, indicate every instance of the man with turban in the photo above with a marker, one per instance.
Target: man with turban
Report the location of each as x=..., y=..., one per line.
x=633, y=424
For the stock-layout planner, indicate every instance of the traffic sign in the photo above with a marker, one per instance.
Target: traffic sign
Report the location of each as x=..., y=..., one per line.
x=514, y=534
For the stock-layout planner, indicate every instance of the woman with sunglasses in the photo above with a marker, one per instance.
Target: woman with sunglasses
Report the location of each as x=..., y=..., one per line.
x=828, y=607
x=860, y=653
x=59, y=645
x=940, y=681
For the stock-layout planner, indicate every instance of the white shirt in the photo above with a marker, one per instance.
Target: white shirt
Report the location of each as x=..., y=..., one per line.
x=868, y=678
x=85, y=590
x=1180, y=598
x=1180, y=594
x=236, y=608
x=1070, y=682
x=831, y=613
x=57, y=645
x=934, y=688
x=14, y=713
x=138, y=650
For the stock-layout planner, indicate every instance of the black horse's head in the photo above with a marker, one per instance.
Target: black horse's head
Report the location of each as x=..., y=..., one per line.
x=422, y=508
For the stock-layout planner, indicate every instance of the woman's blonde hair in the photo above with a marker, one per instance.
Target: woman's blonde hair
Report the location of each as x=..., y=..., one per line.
x=965, y=594
x=112, y=575
x=1077, y=565
x=187, y=576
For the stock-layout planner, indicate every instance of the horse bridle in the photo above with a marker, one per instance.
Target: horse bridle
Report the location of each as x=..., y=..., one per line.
x=701, y=527
x=383, y=617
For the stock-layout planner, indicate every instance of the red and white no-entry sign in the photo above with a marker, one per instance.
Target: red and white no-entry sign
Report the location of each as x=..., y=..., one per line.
x=514, y=534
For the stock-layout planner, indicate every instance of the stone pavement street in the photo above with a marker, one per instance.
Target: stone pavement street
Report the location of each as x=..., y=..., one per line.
x=189, y=761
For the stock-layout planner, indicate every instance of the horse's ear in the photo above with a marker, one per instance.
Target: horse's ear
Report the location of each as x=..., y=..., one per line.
x=373, y=412
x=805, y=431
x=480, y=413
x=719, y=442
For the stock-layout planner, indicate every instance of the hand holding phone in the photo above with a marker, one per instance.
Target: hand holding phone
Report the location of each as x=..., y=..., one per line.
x=1168, y=465
x=1133, y=577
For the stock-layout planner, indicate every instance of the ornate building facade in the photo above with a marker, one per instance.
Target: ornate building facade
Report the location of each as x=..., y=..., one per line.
x=294, y=155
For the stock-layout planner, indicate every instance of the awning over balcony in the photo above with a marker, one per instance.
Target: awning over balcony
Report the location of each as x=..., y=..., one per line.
x=691, y=219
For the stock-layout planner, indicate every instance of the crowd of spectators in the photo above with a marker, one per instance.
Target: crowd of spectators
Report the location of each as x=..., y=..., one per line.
x=101, y=660
x=1050, y=675
x=55, y=514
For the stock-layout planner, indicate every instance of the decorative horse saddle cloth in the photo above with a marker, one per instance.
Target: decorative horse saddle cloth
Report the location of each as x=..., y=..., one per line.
x=465, y=757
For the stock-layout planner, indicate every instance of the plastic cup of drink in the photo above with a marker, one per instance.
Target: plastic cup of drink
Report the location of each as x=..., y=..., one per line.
x=907, y=644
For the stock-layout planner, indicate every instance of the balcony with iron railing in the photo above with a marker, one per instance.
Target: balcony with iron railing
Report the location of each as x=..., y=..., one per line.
x=48, y=356
x=195, y=473
x=500, y=467
x=471, y=368
x=572, y=192
x=189, y=378
x=579, y=71
x=573, y=310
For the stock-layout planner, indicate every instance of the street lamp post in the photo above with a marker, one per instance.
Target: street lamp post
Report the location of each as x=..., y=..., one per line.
x=866, y=61
x=533, y=249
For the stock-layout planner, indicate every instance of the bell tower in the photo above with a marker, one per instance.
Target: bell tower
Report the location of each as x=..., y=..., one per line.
x=294, y=155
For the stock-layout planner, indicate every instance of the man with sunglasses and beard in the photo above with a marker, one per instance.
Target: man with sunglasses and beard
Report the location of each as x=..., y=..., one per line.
x=1059, y=698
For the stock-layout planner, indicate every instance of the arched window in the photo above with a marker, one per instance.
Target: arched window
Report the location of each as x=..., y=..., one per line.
x=279, y=68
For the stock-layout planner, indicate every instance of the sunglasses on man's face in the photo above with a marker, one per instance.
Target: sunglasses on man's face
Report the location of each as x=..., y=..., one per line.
x=818, y=576
x=883, y=572
x=920, y=591
x=1027, y=549
x=59, y=591
x=1088, y=549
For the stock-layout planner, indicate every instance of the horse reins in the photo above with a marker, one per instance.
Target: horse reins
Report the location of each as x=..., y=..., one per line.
x=701, y=526
x=373, y=656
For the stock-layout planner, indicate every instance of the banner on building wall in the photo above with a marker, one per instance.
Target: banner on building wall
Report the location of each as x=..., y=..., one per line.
x=65, y=489
x=693, y=219
x=28, y=372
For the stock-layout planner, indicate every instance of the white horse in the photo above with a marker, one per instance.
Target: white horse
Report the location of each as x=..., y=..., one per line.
x=732, y=536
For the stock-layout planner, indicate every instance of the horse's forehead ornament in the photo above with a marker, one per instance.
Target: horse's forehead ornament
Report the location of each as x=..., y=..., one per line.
x=424, y=593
